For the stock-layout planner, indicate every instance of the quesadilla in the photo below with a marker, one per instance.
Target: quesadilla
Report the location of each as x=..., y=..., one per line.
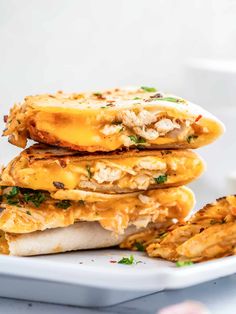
x=26, y=212
x=111, y=120
x=208, y=234
x=43, y=167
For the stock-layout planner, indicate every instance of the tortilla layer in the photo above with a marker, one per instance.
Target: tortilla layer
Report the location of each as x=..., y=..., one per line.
x=113, y=119
x=46, y=168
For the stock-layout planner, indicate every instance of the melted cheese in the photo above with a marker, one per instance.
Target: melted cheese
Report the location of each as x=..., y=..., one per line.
x=180, y=169
x=78, y=122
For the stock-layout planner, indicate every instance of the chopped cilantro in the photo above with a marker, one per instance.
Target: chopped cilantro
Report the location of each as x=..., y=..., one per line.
x=97, y=94
x=172, y=99
x=12, y=196
x=104, y=107
x=148, y=89
x=191, y=138
x=88, y=168
x=137, y=98
x=137, y=139
x=14, y=191
x=64, y=204
x=183, y=263
x=35, y=197
x=127, y=260
x=28, y=212
x=139, y=246
x=161, y=179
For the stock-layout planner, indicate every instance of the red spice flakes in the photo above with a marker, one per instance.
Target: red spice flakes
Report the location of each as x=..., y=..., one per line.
x=110, y=103
x=99, y=96
x=62, y=163
x=198, y=118
x=113, y=262
x=158, y=95
x=5, y=118
x=58, y=185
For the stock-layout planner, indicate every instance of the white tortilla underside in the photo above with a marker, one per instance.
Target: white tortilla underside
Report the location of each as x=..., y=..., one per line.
x=80, y=236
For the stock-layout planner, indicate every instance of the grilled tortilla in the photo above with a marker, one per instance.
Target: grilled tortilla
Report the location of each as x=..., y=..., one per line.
x=46, y=168
x=113, y=119
x=25, y=211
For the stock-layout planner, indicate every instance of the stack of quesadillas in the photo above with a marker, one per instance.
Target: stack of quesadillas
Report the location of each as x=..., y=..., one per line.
x=107, y=165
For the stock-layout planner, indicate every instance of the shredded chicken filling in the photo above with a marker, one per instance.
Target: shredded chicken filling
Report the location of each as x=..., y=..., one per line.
x=149, y=126
x=132, y=173
x=27, y=210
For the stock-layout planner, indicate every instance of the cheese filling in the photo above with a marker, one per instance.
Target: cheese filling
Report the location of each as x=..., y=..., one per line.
x=27, y=210
x=102, y=129
x=121, y=174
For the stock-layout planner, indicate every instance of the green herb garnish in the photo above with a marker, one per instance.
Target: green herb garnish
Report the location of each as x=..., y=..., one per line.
x=88, y=168
x=127, y=260
x=137, y=139
x=172, y=99
x=139, y=246
x=191, y=138
x=161, y=179
x=28, y=212
x=183, y=263
x=149, y=89
x=14, y=191
x=35, y=197
x=12, y=196
x=64, y=204
x=137, y=98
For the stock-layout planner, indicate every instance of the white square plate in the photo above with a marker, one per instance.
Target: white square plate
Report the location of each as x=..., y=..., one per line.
x=93, y=278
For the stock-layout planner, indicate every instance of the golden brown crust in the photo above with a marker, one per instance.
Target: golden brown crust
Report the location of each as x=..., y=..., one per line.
x=42, y=151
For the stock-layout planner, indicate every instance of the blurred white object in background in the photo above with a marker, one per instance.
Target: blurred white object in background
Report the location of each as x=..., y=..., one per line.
x=212, y=84
x=231, y=183
x=188, y=307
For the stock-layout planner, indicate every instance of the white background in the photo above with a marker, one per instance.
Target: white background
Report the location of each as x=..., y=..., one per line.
x=71, y=45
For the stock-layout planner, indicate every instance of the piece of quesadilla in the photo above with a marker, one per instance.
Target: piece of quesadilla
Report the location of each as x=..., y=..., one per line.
x=43, y=167
x=110, y=120
x=28, y=212
x=208, y=234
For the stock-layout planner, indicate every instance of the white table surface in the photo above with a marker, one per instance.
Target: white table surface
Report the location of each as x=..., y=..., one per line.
x=217, y=295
